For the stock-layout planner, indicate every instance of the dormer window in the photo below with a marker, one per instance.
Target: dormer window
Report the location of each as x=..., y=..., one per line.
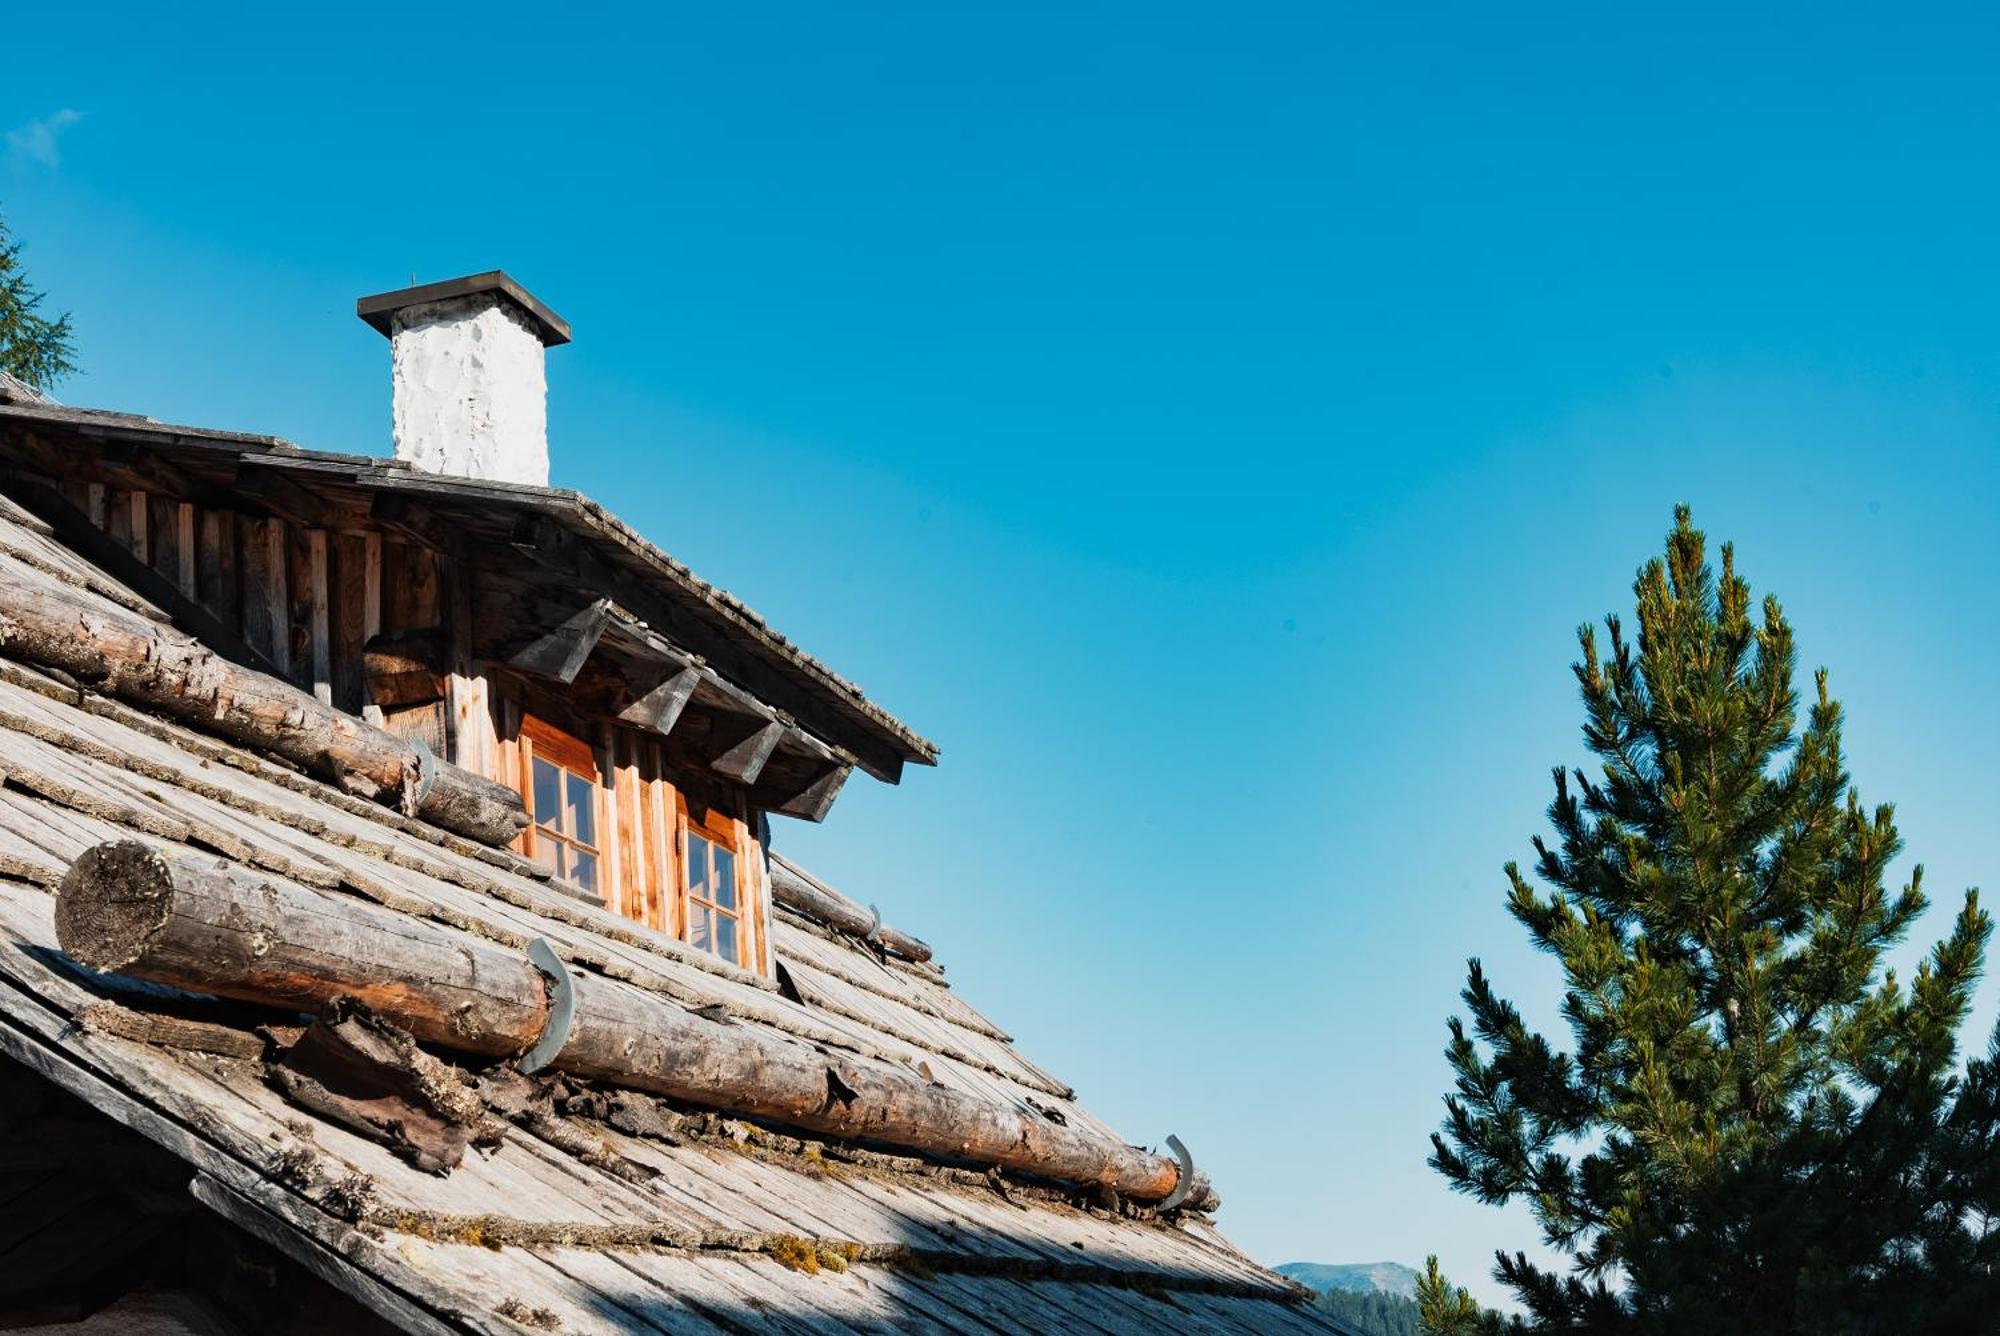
x=714, y=898
x=611, y=824
x=562, y=799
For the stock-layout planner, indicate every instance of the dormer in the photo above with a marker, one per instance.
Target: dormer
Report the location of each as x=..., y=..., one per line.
x=652, y=724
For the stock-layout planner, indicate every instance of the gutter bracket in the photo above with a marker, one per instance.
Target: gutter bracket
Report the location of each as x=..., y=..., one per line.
x=562, y=1008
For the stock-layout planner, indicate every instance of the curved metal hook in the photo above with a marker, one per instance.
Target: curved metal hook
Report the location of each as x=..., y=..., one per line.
x=562, y=1007
x=1183, y=1185
x=874, y=937
x=427, y=771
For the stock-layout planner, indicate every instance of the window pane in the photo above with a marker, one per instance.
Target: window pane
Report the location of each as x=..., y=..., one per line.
x=583, y=869
x=697, y=869
x=725, y=937
x=548, y=794
x=725, y=879
x=547, y=851
x=581, y=814
x=698, y=925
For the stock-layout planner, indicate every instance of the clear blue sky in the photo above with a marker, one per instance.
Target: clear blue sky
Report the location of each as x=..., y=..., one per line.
x=1209, y=426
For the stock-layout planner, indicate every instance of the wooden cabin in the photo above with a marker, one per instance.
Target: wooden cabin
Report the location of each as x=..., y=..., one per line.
x=651, y=724
x=391, y=937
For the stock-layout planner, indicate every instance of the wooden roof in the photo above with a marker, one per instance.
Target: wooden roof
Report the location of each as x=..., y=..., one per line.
x=604, y=1216
x=558, y=532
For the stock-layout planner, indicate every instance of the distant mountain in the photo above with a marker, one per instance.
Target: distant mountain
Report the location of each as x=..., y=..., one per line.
x=1354, y=1277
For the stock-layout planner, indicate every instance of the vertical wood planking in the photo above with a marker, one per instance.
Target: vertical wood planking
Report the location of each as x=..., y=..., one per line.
x=411, y=575
x=665, y=807
x=221, y=578
x=298, y=603
x=118, y=518
x=163, y=533
x=371, y=610
x=322, y=639
x=184, y=545
x=135, y=530
x=266, y=621
x=93, y=494
x=749, y=895
x=348, y=577
x=609, y=842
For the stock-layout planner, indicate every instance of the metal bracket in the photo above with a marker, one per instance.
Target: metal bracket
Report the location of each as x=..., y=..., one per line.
x=427, y=772
x=562, y=1007
x=1183, y=1185
x=874, y=937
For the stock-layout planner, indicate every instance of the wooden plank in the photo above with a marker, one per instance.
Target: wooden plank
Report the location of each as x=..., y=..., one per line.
x=94, y=503
x=266, y=622
x=164, y=533
x=138, y=502
x=615, y=888
x=215, y=566
x=744, y=760
x=660, y=708
x=371, y=606
x=120, y=564
x=349, y=630
x=118, y=518
x=559, y=652
x=410, y=575
x=318, y=625
x=185, y=545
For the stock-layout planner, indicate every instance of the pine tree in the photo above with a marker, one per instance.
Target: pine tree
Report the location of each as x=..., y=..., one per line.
x=1757, y=1127
x=33, y=348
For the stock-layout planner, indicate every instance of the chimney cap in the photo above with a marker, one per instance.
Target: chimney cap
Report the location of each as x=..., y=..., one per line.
x=380, y=309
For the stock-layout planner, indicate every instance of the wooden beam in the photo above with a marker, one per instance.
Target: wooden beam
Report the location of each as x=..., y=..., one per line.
x=53, y=625
x=659, y=709
x=815, y=798
x=794, y=888
x=560, y=652
x=744, y=760
x=285, y=498
x=195, y=922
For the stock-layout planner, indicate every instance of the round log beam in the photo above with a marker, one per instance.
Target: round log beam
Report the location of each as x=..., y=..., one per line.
x=138, y=661
x=200, y=923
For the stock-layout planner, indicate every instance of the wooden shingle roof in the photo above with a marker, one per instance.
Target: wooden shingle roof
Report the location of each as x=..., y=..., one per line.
x=597, y=1210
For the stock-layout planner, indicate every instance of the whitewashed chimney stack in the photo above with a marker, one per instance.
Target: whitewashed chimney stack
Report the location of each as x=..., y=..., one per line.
x=466, y=363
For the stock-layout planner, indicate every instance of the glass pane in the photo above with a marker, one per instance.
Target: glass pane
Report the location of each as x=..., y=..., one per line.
x=583, y=869
x=697, y=869
x=547, y=851
x=548, y=794
x=581, y=813
x=698, y=925
x=725, y=937
x=725, y=879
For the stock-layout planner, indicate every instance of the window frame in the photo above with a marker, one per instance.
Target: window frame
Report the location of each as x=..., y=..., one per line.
x=722, y=832
x=569, y=755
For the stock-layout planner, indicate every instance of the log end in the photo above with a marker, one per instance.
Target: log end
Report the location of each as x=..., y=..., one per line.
x=112, y=902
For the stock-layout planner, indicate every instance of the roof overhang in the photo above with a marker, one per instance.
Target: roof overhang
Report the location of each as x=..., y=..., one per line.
x=565, y=538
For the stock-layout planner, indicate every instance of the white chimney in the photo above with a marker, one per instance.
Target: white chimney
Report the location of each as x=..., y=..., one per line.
x=471, y=398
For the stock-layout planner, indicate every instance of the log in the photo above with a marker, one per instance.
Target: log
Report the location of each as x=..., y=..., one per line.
x=795, y=888
x=200, y=923
x=407, y=668
x=138, y=661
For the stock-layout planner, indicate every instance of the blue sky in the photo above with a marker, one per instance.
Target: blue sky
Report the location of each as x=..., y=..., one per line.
x=1209, y=425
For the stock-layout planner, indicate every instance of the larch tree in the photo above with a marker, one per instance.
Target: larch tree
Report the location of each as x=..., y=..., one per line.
x=1755, y=1126
x=35, y=349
